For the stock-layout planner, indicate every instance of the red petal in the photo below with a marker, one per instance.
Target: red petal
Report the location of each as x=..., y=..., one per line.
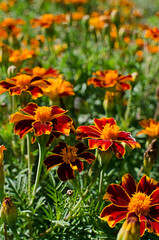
x=117, y=195
x=88, y=156
x=129, y=184
x=79, y=165
x=143, y=223
x=147, y=185
x=155, y=197
x=52, y=161
x=125, y=86
x=113, y=214
x=30, y=108
x=88, y=132
x=62, y=124
x=59, y=147
x=35, y=92
x=118, y=149
x=81, y=148
x=5, y=85
x=56, y=111
x=16, y=90
x=41, y=128
x=100, y=123
x=154, y=212
x=101, y=144
x=128, y=139
x=65, y=172
x=23, y=127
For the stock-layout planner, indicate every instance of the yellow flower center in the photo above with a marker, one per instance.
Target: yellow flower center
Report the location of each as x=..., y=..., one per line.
x=69, y=155
x=43, y=114
x=140, y=203
x=110, y=132
x=23, y=80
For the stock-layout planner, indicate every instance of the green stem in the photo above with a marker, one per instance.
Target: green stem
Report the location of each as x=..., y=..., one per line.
x=29, y=165
x=5, y=231
x=71, y=215
x=40, y=163
x=15, y=233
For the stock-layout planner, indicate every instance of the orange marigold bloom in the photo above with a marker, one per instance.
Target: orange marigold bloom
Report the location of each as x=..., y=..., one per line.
x=58, y=87
x=41, y=120
x=151, y=128
x=110, y=79
x=68, y=158
x=23, y=82
x=152, y=33
x=21, y=55
x=10, y=25
x=46, y=20
x=41, y=72
x=105, y=134
x=98, y=22
x=131, y=198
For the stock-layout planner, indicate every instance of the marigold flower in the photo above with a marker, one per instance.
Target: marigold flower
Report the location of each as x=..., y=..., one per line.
x=69, y=159
x=58, y=87
x=41, y=72
x=106, y=135
x=110, y=79
x=21, y=55
x=41, y=120
x=9, y=212
x=46, y=20
x=151, y=128
x=140, y=199
x=10, y=25
x=23, y=82
x=152, y=33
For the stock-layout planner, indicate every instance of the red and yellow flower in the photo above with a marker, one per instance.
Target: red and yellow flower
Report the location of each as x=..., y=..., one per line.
x=111, y=79
x=57, y=88
x=128, y=198
x=46, y=20
x=152, y=33
x=106, y=135
x=68, y=158
x=41, y=120
x=151, y=128
x=23, y=83
x=41, y=72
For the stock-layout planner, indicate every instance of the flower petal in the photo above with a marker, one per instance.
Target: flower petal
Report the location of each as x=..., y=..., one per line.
x=78, y=164
x=147, y=185
x=129, y=184
x=59, y=147
x=42, y=128
x=100, y=123
x=128, y=139
x=23, y=127
x=65, y=172
x=30, y=108
x=16, y=90
x=117, y=195
x=87, y=131
x=35, y=92
x=62, y=124
x=118, y=149
x=154, y=213
x=56, y=111
x=113, y=214
x=52, y=161
x=19, y=117
x=88, y=156
x=81, y=148
x=155, y=197
x=103, y=145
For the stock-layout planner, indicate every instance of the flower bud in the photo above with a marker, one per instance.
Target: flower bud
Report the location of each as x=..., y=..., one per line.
x=106, y=156
x=150, y=155
x=12, y=71
x=130, y=229
x=8, y=212
x=109, y=101
x=115, y=17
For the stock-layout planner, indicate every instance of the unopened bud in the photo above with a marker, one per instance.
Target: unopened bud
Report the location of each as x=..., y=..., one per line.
x=109, y=101
x=12, y=71
x=106, y=156
x=130, y=229
x=115, y=17
x=8, y=212
x=150, y=155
